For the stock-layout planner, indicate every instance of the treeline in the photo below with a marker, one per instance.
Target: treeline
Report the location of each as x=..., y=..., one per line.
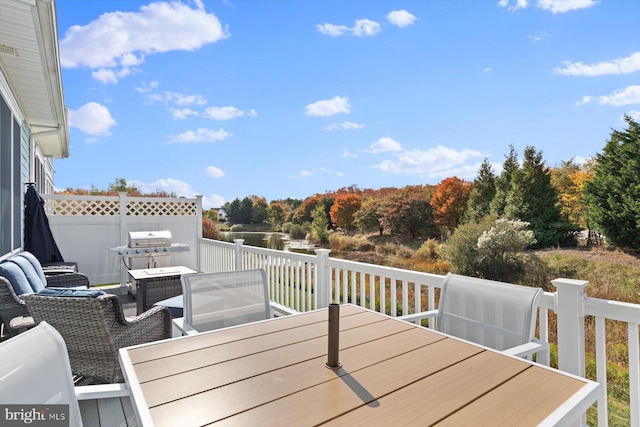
x=600, y=196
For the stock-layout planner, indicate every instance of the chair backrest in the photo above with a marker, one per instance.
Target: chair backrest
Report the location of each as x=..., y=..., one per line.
x=85, y=323
x=494, y=314
x=218, y=300
x=35, y=371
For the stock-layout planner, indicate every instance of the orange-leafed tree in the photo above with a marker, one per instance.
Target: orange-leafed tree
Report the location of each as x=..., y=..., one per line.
x=449, y=201
x=343, y=210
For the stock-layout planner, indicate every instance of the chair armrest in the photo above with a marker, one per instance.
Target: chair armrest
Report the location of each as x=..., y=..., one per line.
x=101, y=391
x=418, y=316
x=67, y=280
x=280, y=309
x=152, y=325
x=181, y=327
x=526, y=349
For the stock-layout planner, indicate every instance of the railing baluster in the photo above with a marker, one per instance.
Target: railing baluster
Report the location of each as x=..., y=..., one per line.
x=601, y=370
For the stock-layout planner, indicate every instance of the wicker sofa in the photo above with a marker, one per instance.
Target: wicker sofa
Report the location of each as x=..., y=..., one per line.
x=22, y=274
x=94, y=328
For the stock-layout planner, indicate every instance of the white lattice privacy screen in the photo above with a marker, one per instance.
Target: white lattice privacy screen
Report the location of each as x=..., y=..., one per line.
x=111, y=206
x=86, y=226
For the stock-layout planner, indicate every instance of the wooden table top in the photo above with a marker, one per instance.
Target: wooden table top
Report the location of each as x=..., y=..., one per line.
x=393, y=373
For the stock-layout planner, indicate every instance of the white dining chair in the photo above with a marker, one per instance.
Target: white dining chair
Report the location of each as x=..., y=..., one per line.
x=218, y=300
x=498, y=315
x=35, y=370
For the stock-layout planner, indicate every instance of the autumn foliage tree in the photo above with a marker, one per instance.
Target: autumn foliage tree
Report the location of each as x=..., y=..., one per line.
x=343, y=210
x=449, y=201
x=410, y=212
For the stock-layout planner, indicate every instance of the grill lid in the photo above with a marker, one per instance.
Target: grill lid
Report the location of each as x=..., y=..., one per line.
x=149, y=239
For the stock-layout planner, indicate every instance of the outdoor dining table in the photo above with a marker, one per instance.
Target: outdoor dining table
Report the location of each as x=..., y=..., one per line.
x=274, y=372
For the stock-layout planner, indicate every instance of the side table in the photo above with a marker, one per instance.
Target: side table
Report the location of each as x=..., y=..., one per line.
x=156, y=284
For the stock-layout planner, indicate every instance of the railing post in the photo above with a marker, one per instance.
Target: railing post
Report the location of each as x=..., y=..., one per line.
x=199, y=229
x=239, y=252
x=569, y=301
x=323, y=279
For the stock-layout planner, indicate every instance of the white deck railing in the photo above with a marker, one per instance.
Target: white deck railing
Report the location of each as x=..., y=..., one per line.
x=306, y=282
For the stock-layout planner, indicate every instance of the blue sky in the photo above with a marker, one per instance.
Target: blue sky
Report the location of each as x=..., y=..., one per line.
x=288, y=98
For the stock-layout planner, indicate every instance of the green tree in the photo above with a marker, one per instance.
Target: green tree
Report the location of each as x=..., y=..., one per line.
x=369, y=216
x=319, y=225
x=276, y=214
x=613, y=194
x=533, y=199
x=233, y=211
x=245, y=211
x=258, y=209
x=503, y=182
x=482, y=193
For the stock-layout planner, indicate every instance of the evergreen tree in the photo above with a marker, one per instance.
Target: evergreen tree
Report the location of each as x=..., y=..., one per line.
x=533, y=199
x=245, y=211
x=503, y=182
x=482, y=193
x=613, y=195
x=233, y=211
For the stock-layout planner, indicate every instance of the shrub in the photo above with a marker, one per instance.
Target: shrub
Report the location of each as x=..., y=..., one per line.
x=461, y=249
x=237, y=228
x=209, y=229
x=429, y=251
x=297, y=231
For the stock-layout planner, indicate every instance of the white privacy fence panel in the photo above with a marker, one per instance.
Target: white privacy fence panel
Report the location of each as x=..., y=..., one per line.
x=85, y=227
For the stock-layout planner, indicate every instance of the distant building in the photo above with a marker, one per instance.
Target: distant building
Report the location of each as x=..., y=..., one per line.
x=222, y=214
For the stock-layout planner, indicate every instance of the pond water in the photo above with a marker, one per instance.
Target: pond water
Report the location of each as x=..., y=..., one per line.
x=278, y=241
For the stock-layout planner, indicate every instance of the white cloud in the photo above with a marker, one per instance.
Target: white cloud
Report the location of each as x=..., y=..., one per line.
x=212, y=201
x=513, y=4
x=433, y=162
x=561, y=6
x=627, y=96
x=385, y=144
x=627, y=65
x=214, y=172
x=227, y=113
x=585, y=100
x=183, y=113
x=92, y=119
x=538, y=36
x=305, y=172
x=347, y=155
x=180, y=189
x=344, y=126
x=634, y=114
x=168, y=97
x=487, y=70
x=332, y=30
x=199, y=135
x=366, y=27
x=554, y=6
x=170, y=185
x=118, y=40
x=361, y=27
x=329, y=107
x=401, y=18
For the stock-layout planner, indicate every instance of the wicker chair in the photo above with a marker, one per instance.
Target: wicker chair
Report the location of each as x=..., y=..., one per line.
x=94, y=329
x=13, y=313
